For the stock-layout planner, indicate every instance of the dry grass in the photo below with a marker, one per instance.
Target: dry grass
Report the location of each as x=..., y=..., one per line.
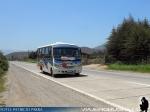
x=97, y=66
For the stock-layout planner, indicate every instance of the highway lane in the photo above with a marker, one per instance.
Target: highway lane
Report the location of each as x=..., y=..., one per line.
x=129, y=76
x=27, y=89
x=119, y=88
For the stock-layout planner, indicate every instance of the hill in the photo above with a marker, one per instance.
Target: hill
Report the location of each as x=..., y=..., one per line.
x=17, y=55
x=88, y=50
x=100, y=48
x=24, y=54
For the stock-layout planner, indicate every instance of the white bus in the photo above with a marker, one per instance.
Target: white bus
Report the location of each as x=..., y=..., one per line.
x=60, y=58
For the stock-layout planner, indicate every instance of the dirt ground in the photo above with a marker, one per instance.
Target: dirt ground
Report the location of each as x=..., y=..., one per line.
x=96, y=66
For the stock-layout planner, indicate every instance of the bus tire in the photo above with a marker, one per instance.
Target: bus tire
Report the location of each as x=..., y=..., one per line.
x=51, y=72
x=77, y=74
x=41, y=68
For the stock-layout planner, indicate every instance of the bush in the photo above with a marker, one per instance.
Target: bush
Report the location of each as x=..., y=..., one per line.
x=1, y=71
x=145, y=68
x=3, y=63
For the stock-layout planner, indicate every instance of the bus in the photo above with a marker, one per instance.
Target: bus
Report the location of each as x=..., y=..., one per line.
x=60, y=58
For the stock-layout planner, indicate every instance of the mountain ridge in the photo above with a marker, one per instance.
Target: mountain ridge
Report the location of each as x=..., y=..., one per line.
x=24, y=54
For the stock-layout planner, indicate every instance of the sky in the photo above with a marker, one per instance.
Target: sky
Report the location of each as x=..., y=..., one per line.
x=28, y=24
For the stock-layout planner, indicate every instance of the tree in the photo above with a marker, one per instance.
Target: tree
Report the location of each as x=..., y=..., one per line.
x=130, y=42
x=33, y=55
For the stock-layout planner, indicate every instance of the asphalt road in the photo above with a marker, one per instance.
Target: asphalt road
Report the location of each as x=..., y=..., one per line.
x=97, y=88
x=27, y=89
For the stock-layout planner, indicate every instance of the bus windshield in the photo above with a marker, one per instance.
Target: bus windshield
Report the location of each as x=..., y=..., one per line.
x=66, y=53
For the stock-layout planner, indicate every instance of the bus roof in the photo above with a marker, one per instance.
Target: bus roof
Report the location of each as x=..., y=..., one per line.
x=60, y=44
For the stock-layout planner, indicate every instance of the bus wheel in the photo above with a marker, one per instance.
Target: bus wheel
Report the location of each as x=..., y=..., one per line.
x=51, y=71
x=41, y=68
x=77, y=74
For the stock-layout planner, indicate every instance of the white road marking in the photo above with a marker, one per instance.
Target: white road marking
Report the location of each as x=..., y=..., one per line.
x=77, y=90
x=36, y=76
x=102, y=71
x=147, y=85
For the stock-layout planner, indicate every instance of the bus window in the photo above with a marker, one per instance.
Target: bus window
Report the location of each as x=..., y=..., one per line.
x=50, y=53
x=40, y=53
x=46, y=52
x=43, y=52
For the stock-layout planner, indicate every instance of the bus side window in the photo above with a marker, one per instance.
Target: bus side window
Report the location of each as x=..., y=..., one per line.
x=42, y=52
x=37, y=52
x=50, y=52
x=46, y=52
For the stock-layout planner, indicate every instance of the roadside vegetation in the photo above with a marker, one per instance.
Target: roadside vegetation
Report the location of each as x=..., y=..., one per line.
x=136, y=68
x=128, y=47
x=32, y=57
x=3, y=68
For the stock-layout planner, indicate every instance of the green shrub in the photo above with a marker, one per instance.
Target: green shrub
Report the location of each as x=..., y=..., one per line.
x=3, y=69
x=3, y=63
x=138, y=68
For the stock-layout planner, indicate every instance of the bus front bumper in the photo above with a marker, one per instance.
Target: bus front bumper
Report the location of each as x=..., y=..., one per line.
x=74, y=70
